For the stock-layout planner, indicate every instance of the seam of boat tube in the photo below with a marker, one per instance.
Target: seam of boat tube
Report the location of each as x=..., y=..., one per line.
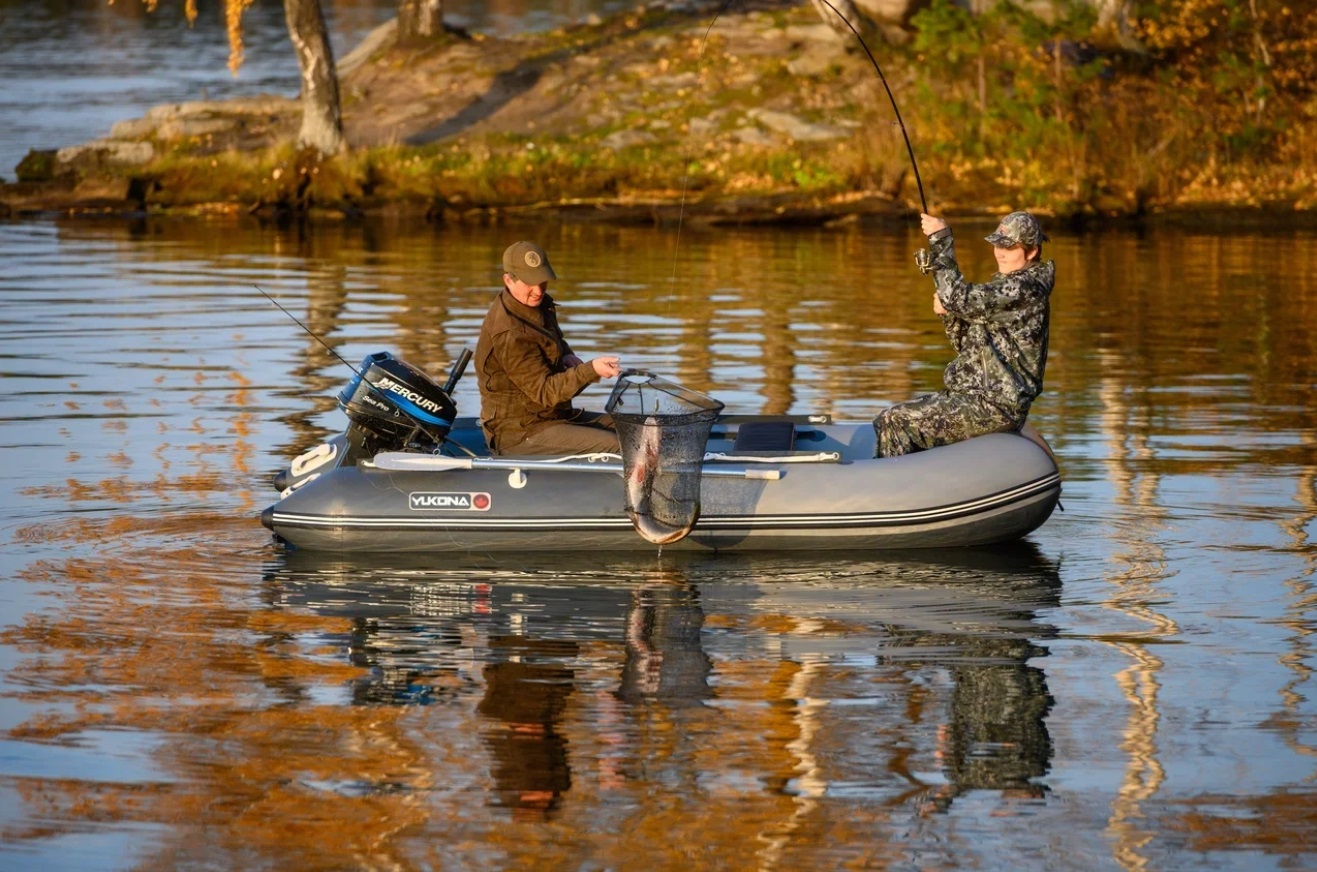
x=707, y=523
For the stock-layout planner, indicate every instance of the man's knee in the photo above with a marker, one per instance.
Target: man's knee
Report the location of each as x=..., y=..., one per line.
x=568, y=439
x=930, y=422
x=894, y=434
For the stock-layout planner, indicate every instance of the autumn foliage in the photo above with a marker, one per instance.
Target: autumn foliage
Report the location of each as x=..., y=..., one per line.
x=1192, y=101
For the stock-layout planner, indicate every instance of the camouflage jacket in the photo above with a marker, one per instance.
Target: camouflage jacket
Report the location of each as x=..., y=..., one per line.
x=524, y=384
x=998, y=328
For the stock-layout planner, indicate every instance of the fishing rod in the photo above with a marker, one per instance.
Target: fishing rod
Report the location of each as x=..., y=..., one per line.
x=890, y=96
x=307, y=329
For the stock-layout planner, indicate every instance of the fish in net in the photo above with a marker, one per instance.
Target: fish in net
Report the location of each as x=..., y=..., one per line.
x=663, y=429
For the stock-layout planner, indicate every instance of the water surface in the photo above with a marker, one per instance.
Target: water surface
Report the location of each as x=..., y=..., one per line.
x=1129, y=688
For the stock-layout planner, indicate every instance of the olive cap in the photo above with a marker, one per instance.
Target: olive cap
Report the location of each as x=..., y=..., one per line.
x=527, y=262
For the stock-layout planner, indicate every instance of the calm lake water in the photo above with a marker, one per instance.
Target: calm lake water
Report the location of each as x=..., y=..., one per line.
x=1131, y=688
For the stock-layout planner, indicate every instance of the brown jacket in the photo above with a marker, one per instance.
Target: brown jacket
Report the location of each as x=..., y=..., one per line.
x=524, y=384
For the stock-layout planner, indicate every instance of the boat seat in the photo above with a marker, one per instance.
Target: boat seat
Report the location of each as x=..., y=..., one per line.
x=765, y=436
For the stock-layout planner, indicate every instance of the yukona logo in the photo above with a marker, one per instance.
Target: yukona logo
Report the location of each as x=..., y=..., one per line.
x=421, y=501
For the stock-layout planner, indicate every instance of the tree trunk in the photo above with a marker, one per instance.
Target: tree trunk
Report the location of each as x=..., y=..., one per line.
x=322, y=120
x=1114, y=17
x=420, y=19
x=837, y=14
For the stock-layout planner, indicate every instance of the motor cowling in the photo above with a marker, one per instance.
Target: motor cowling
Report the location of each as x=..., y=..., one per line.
x=397, y=404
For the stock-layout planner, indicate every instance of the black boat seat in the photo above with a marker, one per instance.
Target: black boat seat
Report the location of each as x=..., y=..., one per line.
x=765, y=436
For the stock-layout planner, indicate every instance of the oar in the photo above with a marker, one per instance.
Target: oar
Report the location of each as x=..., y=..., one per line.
x=402, y=461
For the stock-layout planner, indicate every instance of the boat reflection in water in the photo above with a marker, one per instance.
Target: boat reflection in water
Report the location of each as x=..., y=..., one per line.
x=879, y=652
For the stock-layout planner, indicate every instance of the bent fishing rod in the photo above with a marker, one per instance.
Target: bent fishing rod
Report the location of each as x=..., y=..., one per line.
x=879, y=70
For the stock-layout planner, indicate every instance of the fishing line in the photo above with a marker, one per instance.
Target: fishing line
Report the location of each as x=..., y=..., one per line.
x=919, y=182
x=686, y=175
x=307, y=329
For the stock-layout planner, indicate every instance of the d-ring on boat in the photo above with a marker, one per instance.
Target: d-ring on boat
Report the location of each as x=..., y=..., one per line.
x=408, y=474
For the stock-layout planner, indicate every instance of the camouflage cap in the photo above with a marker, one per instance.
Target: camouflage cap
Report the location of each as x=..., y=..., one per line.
x=1018, y=228
x=527, y=262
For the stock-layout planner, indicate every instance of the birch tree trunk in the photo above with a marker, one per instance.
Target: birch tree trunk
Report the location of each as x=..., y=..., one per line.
x=322, y=120
x=420, y=19
x=831, y=9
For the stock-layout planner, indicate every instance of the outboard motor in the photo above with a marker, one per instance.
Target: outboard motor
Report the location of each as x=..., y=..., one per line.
x=394, y=406
x=391, y=406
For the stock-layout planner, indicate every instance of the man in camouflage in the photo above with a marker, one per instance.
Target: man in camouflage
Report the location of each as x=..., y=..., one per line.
x=999, y=331
x=529, y=374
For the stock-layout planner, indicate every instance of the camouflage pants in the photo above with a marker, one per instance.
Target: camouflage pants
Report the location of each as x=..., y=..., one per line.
x=939, y=419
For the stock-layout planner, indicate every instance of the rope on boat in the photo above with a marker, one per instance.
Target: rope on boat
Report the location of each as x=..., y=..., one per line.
x=820, y=457
x=402, y=461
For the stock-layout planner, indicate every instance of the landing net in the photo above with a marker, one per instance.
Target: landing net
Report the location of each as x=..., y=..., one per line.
x=663, y=429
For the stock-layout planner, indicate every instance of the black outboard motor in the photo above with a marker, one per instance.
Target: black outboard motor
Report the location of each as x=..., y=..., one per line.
x=391, y=406
x=394, y=406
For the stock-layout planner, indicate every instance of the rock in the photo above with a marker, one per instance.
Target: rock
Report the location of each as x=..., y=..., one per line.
x=101, y=153
x=752, y=136
x=133, y=128
x=75, y=179
x=70, y=195
x=814, y=61
x=187, y=128
x=259, y=105
x=626, y=139
x=796, y=128
x=816, y=33
x=890, y=11
x=384, y=35
x=672, y=83
x=38, y=165
x=250, y=122
x=702, y=126
x=197, y=118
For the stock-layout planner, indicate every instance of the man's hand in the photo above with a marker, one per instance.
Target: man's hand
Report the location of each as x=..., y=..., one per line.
x=930, y=225
x=607, y=367
x=938, y=308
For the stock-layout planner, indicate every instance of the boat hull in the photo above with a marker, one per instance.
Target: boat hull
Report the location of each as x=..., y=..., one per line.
x=983, y=491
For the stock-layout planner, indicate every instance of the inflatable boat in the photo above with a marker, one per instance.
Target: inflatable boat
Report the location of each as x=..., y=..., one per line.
x=409, y=475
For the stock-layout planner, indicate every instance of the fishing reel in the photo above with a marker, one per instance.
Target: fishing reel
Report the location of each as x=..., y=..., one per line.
x=924, y=260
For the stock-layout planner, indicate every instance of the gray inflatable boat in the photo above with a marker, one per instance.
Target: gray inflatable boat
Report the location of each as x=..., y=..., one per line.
x=409, y=475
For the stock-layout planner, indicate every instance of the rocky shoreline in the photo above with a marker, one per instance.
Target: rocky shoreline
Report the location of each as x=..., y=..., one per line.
x=393, y=96
x=647, y=117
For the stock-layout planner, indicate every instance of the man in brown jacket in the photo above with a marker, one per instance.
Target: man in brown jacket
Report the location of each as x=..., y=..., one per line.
x=528, y=373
